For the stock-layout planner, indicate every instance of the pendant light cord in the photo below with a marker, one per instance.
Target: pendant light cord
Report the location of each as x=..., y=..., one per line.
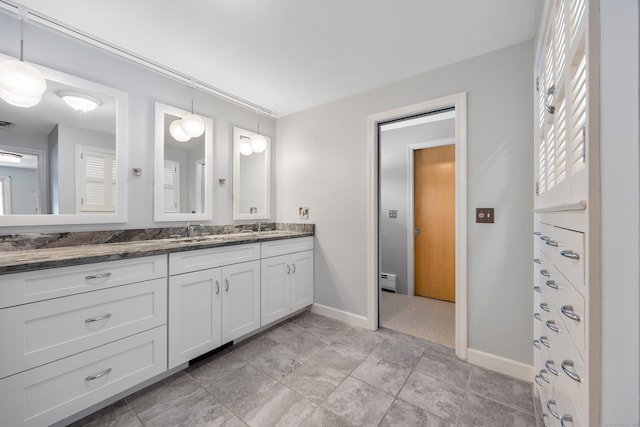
x=21, y=39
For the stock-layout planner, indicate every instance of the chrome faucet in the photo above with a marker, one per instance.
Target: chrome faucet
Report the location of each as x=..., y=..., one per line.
x=259, y=227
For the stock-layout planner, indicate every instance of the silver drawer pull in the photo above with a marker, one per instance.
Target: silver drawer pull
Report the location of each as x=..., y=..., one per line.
x=552, y=284
x=545, y=379
x=551, y=367
x=226, y=285
x=552, y=325
x=552, y=243
x=537, y=233
x=96, y=376
x=537, y=261
x=569, y=254
x=537, y=289
x=545, y=307
x=545, y=273
x=545, y=238
x=567, y=366
x=566, y=418
x=545, y=341
x=567, y=310
x=551, y=406
x=544, y=419
x=98, y=276
x=217, y=287
x=536, y=344
x=97, y=319
x=294, y=267
x=538, y=380
x=288, y=269
x=537, y=316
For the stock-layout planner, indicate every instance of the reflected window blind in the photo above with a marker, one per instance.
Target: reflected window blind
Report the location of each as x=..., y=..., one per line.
x=97, y=180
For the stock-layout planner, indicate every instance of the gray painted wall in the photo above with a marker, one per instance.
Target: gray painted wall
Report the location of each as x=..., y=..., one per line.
x=144, y=87
x=321, y=162
x=393, y=192
x=24, y=189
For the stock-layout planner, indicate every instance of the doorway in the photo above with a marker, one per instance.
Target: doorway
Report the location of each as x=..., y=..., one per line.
x=382, y=214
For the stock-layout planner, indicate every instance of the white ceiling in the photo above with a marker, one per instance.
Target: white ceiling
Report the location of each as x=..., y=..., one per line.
x=290, y=55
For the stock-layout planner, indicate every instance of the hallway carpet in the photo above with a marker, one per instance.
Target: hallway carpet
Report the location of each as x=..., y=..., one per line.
x=429, y=319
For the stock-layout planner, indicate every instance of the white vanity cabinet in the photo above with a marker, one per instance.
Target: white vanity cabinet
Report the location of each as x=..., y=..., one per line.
x=74, y=336
x=287, y=277
x=214, y=298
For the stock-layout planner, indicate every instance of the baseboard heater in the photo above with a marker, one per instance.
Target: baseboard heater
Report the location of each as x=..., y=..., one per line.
x=388, y=282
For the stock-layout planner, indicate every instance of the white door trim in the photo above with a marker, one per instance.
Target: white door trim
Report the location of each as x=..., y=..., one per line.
x=459, y=102
x=411, y=149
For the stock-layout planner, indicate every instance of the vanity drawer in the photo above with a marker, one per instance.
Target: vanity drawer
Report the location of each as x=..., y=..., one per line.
x=52, y=392
x=565, y=249
x=286, y=246
x=202, y=259
x=39, y=333
x=31, y=286
x=571, y=309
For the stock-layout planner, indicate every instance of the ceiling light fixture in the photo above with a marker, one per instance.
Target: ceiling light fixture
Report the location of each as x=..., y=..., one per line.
x=79, y=101
x=189, y=126
x=245, y=146
x=10, y=157
x=176, y=131
x=258, y=142
x=21, y=84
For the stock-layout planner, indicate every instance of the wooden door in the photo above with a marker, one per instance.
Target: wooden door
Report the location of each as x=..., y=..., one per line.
x=434, y=216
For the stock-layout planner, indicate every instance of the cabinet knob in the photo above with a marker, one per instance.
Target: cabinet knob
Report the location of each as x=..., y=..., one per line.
x=544, y=306
x=551, y=367
x=569, y=254
x=226, y=284
x=552, y=284
x=552, y=243
x=545, y=273
x=537, y=316
x=294, y=267
x=544, y=378
x=552, y=326
x=288, y=269
x=217, y=287
x=551, y=406
x=567, y=310
x=567, y=367
x=545, y=341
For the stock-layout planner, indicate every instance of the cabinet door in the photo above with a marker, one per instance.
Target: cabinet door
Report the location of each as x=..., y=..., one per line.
x=275, y=292
x=301, y=280
x=194, y=314
x=241, y=300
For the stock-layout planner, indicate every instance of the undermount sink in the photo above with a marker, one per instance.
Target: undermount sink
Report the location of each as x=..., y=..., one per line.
x=234, y=236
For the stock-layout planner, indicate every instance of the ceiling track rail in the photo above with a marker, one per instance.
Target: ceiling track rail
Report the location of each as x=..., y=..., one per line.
x=47, y=22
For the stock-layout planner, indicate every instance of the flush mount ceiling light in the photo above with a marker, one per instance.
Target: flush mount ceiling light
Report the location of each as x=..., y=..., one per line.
x=258, y=142
x=10, y=157
x=79, y=101
x=21, y=84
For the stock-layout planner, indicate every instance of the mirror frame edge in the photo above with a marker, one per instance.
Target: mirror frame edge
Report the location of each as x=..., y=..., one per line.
x=237, y=215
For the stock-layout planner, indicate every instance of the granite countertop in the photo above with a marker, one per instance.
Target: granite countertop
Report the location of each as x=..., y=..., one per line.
x=29, y=259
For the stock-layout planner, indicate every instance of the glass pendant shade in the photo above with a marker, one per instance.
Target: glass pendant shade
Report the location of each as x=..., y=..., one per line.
x=21, y=84
x=192, y=125
x=258, y=143
x=245, y=147
x=176, y=131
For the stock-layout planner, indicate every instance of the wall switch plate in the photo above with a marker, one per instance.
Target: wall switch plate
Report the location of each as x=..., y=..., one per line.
x=303, y=213
x=393, y=213
x=484, y=215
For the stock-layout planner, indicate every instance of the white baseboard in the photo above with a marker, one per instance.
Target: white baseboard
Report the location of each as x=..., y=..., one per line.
x=500, y=364
x=343, y=316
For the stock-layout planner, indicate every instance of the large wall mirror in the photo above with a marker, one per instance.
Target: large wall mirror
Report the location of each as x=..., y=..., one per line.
x=182, y=169
x=64, y=160
x=251, y=177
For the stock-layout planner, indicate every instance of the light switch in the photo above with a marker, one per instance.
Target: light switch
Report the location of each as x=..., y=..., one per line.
x=393, y=213
x=485, y=215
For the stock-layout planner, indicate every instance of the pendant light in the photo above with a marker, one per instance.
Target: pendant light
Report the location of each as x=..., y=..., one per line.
x=21, y=84
x=258, y=142
x=245, y=146
x=176, y=131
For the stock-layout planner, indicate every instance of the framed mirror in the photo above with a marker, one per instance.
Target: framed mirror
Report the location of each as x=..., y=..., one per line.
x=62, y=162
x=251, y=177
x=183, y=172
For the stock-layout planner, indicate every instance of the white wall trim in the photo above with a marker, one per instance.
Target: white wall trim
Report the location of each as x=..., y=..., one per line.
x=505, y=366
x=343, y=316
x=411, y=148
x=459, y=101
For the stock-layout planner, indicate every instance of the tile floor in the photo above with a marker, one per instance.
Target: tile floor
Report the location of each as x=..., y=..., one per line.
x=315, y=371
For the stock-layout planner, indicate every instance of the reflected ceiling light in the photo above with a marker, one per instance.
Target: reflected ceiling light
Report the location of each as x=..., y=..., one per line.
x=176, y=131
x=79, y=101
x=10, y=157
x=258, y=142
x=245, y=146
x=192, y=124
x=21, y=84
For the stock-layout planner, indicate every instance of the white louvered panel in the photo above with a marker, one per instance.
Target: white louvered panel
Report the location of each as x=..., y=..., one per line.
x=95, y=194
x=561, y=141
x=94, y=166
x=578, y=114
x=548, y=65
x=577, y=8
x=551, y=157
x=560, y=41
x=541, y=97
x=542, y=166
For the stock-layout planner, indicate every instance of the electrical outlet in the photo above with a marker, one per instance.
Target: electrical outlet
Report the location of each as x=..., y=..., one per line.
x=303, y=213
x=485, y=215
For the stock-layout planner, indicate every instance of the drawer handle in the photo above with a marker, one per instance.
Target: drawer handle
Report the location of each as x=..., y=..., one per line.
x=217, y=287
x=545, y=379
x=98, y=276
x=97, y=319
x=537, y=261
x=545, y=273
x=552, y=284
x=551, y=406
x=544, y=418
x=552, y=243
x=537, y=289
x=294, y=268
x=552, y=325
x=544, y=306
x=566, y=418
x=96, y=376
x=566, y=367
x=545, y=341
x=545, y=238
x=551, y=367
x=567, y=310
x=536, y=344
x=538, y=380
x=288, y=269
x=569, y=254
x=226, y=284
x=537, y=316
x=537, y=233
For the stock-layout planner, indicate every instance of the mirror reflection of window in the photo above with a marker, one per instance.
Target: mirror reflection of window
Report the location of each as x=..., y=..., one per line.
x=5, y=195
x=171, y=186
x=200, y=185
